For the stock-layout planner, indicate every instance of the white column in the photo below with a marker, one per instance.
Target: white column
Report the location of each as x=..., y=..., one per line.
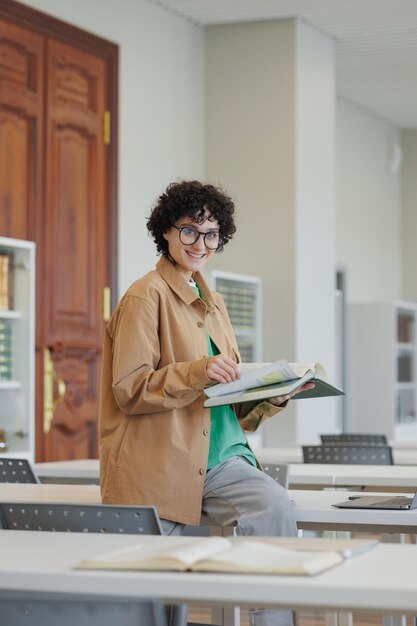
x=270, y=141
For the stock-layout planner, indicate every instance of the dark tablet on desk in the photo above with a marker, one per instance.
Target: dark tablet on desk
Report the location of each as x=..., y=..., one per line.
x=396, y=503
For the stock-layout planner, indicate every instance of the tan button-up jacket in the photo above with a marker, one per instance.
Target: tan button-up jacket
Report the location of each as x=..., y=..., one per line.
x=154, y=430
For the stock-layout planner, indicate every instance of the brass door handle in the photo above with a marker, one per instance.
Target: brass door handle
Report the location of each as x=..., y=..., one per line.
x=49, y=402
x=106, y=304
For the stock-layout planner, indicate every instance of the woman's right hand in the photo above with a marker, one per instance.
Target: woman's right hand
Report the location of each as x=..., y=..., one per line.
x=222, y=369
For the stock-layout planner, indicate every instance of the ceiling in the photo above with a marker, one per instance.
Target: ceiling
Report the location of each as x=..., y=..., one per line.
x=376, y=44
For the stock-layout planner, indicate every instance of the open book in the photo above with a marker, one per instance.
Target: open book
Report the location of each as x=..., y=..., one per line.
x=259, y=381
x=217, y=554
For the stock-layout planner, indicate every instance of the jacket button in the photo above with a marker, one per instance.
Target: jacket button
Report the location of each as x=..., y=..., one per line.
x=200, y=324
x=205, y=432
x=201, y=471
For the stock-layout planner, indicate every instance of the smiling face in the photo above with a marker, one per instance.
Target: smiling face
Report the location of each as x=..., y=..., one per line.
x=190, y=258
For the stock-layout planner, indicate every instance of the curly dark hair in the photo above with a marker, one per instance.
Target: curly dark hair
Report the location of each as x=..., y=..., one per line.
x=190, y=199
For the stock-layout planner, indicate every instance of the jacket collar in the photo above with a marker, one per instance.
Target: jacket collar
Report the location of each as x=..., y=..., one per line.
x=177, y=283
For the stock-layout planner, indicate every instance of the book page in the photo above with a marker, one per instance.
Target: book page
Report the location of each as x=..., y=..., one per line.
x=257, y=393
x=143, y=556
x=254, y=375
x=289, y=371
x=345, y=547
x=301, y=368
x=271, y=372
x=261, y=558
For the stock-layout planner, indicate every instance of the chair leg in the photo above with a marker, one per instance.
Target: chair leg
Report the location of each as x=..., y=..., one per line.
x=177, y=614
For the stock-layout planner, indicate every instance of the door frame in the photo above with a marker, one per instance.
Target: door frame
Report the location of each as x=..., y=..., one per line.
x=49, y=26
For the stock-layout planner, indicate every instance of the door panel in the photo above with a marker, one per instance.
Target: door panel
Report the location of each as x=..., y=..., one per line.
x=74, y=427
x=58, y=187
x=21, y=84
x=75, y=236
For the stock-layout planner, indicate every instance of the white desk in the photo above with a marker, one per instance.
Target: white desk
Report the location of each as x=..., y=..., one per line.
x=313, y=510
x=309, y=475
x=397, y=477
x=282, y=454
x=87, y=471
x=400, y=477
x=77, y=471
x=404, y=456
x=383, y=579
x=293, y=454
x=22, y=492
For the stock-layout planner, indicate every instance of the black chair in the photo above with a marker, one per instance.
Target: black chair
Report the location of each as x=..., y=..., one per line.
x=16, y=471
x=355, y=438
x=93, y=518
x=279, y=472
x=349, y=454
x=102, y=612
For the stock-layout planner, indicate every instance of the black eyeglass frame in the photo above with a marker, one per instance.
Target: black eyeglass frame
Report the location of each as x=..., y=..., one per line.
x=199, y=234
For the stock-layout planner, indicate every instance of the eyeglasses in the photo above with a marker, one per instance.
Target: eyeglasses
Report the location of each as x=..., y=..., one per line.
x=189, y=235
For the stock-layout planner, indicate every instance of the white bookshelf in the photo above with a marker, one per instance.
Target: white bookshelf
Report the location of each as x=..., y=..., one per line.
x=17, y=384
x=382, y=383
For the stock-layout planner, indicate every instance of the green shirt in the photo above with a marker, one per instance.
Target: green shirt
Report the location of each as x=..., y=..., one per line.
x=226, y=436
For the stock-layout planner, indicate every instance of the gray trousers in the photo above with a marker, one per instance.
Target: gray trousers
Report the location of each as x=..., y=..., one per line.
x=237, y=492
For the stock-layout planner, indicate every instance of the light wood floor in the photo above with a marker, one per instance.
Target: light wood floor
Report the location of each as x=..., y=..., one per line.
x=202, y=615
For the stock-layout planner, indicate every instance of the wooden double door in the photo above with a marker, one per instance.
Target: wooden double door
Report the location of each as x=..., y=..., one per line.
x=58, y=188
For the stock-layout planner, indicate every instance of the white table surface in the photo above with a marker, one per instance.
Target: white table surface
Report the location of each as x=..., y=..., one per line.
x=363, y=476
x=293, y=454
x=77, y=469
x=313, y=509
x=308, y=474
x=281, y=454
x=381, y=476
x=382, y=579
x=88, y=470
x=22, y=492
x=404, y=454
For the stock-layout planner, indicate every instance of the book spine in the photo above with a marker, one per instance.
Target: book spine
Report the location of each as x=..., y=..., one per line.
x=6, y=263
x=5, y=350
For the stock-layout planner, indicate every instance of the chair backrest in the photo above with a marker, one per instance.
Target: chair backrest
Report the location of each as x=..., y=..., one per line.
x=103, y=612
x=349, y=454
x=16, y=471
x=357, y=438
x=279, y=472
x=94, y=518
x=86, y=518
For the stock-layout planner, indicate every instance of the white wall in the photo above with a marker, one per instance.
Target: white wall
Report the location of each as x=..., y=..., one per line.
x=368, y=205
x=270, y=139
x=162, y=110
x=161, y=96
x=409, y=223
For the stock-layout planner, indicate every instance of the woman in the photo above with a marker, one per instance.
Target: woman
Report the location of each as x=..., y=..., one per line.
x=169, y=338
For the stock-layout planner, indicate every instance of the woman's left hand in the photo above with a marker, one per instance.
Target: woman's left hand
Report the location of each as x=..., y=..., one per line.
x=281, y=400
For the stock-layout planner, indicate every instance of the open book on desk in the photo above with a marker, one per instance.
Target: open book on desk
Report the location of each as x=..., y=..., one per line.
x=347, y=548
x=218, y=554
x=259, y=381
